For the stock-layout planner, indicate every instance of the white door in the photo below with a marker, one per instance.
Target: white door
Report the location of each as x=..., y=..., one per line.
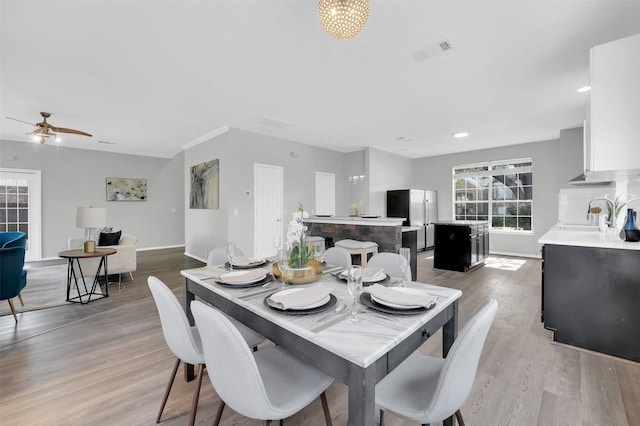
x=325, y=193
x=20, y=207
x=267, y=189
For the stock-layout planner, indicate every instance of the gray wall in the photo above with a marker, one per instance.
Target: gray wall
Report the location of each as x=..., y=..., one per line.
x=554, y=163
x=387, y=171
x=76, y=177
x=238, y=151
x=73, y=177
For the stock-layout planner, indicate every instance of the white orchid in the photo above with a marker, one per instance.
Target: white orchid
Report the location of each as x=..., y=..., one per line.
x=296, y=233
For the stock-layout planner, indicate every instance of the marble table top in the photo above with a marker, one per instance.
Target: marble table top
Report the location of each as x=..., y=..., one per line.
x=362, y=344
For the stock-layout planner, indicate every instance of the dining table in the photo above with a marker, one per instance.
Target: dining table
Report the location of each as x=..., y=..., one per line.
x=358, y=355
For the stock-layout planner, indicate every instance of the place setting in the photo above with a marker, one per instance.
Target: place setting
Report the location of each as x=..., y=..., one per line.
x=244, y=278
x=236, y=261
x=398, y=300
x=301, y=300
x=370, y=275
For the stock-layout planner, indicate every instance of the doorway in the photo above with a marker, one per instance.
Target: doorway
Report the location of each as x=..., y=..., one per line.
x=325, y=194
x=268, y=194
x=20, y=207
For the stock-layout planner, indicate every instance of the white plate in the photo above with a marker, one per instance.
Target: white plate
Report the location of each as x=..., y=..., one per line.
x=299, y=308
x=253, y=262
x=412, y=291
x=240, y=282
x=380, y=277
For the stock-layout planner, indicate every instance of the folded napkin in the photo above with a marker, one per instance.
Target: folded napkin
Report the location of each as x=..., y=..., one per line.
x=242, y=277
x=290, y=299
x=245, y=261
x=206, y=272
x=402, y=296
x=369, y=273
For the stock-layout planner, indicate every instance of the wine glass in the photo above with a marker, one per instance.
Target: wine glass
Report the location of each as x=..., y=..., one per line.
x=320, y=252
x=277, y=242
x=405, y=262
x=283, y=265
x=231, y=251
x=354, y=285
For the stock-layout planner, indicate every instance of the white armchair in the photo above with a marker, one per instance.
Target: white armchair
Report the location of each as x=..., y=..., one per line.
x=123, y=261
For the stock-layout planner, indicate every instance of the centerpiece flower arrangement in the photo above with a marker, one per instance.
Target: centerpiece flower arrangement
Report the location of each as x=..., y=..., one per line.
x=296, y=239
x=355, y=207
x=303, y=266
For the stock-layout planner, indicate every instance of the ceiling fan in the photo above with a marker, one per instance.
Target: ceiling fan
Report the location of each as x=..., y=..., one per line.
x=45, y=130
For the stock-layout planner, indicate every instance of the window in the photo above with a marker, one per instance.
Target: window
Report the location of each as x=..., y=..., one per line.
x=499, y=191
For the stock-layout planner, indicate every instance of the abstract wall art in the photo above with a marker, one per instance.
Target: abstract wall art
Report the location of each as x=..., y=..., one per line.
x=205, y=182
x=125, y=189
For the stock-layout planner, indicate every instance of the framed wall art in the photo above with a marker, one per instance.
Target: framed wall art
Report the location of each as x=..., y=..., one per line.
x=126, y=189
x=205, y=183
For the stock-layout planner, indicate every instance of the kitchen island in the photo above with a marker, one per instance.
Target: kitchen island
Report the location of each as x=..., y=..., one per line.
x=386, y=232
x=591, y=290
x=460, y=245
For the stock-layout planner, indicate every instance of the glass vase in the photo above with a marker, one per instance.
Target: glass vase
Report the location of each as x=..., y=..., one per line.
x=631, y=231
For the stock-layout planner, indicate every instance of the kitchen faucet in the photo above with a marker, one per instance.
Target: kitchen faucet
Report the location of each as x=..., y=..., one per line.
x=612, y=221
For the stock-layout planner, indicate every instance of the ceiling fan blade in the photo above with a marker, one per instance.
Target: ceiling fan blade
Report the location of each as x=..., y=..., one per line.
x=25, y=122
x=63, y=130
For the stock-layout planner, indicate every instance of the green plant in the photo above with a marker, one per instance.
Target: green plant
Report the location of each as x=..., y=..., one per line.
x=618, y=204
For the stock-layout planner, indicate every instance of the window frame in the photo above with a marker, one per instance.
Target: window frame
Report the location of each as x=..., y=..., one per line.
x=490, y=170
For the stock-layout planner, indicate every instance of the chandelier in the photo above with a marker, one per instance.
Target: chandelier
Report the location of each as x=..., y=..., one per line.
x=343, y=19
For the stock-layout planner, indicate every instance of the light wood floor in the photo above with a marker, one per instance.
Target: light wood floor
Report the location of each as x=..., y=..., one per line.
x=106, y=363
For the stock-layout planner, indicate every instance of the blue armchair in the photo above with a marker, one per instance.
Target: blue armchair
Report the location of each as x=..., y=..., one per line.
x=13, y=239
x=13, y=277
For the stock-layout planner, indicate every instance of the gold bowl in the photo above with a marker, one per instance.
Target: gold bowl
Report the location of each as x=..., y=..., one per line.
x=310, y=273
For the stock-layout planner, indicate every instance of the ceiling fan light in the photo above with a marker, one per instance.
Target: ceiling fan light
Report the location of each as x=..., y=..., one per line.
x=343, y=19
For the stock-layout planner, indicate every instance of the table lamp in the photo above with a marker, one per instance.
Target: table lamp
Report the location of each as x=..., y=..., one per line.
x=90, y=218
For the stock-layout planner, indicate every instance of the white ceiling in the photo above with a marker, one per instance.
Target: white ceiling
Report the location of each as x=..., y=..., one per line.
x=152, y=77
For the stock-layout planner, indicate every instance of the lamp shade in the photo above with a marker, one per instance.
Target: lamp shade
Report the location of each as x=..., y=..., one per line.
x=91, y=217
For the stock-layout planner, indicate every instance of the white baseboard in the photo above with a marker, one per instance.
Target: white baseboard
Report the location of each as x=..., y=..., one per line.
x=160, y=247
x=193, y=256
x=531, y=256
x=140, y=249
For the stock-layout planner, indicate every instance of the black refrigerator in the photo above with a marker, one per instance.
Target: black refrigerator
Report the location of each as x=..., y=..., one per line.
x=419, y=208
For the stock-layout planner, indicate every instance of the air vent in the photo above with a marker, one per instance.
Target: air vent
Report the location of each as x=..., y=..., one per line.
x=269, y=123
x=433, y=50
x=107, y=142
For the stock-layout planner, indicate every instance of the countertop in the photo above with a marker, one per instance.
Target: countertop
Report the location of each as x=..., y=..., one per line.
x=411, y=228
x=462, y=222
x=357, y=220
x=585, y=236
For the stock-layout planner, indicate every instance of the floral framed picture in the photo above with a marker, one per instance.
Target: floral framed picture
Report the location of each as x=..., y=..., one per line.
x=126, y=189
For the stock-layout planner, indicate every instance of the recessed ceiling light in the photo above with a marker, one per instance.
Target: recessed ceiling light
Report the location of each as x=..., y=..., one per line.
x=460, y=135
x=584, y=89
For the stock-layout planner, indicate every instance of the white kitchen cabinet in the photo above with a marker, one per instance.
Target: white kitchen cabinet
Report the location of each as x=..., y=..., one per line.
x=612, y=130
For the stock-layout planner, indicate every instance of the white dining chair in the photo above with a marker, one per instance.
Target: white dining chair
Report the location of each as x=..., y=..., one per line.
x=184, y=340
x=391, y=262
x=337, y=256
x=218, y=256
x=428, y=389
x=267, y=385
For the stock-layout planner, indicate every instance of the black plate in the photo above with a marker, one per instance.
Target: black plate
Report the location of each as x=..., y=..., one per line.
x=255, y=265
x=324, y=215
x=263, y=281
x=332, y=301
x=366, y=284
x=365, y=299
